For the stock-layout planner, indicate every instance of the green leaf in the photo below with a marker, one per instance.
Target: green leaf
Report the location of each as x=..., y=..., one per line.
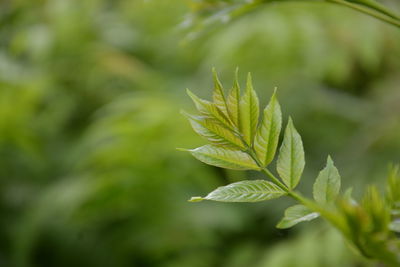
x=326, y=187
x=196, y=199
x=249, y=112
x=214, y=131
x=234, y=100
x=245, y=191
x=267, y=137
x=295, y=215
x=291, y=162
x=348, y=196
x=218, y=94
x=210, y=110
x=224, y=158
x=376, y=208
x=393, y=190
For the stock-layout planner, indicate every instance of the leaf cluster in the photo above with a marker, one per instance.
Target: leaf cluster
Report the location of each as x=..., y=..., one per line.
x=241, y=139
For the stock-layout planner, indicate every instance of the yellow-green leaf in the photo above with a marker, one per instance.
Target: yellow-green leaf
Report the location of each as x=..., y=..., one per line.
x=377, y=209
x=249, y=112
x=267, y=136
x=214, y=131
x=326, y=187
x=244, y=191
x=295, y=215
x=393, y=190
x=224, y=158
x=210, y=109
x=234, y=100
x=291, y=162
x=218, y=94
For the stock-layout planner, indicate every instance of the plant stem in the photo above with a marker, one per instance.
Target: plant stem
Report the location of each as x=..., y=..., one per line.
x=368, y=7
x=275, y=179
x=253, y=155
x=295, y=195
x=378, y=13
x=331, y=216
x=378, y=7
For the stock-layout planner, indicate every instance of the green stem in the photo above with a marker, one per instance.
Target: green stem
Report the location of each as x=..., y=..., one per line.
x=330, y=216
x=326, y=212
x=378, y=7
x=275, y=179
x=368, y=7
x=295, y=195
x=253, y=155
x=379, y=14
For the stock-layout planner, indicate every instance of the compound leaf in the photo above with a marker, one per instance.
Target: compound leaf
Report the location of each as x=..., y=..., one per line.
x=267, y=137
x=245, y=191
x=326, y=187
x=224, y=158
x=291, y=161
x=295, y=215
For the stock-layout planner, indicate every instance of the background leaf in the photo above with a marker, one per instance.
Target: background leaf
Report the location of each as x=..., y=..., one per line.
x=291, y=161
x=395, y=226
x=326, y=187
x=393, y=190
x=377, y=209
x=245, y=191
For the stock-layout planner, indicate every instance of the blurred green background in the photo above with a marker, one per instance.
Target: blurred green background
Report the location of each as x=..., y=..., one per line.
x=90, y=93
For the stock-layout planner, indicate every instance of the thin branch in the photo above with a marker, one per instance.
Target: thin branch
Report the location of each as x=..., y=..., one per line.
x=368, y=11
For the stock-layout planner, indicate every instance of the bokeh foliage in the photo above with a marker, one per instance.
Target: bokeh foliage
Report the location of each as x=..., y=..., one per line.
x=90, y=93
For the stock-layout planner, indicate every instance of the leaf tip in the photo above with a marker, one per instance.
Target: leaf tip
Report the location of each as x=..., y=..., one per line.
x=290, y=122
x=184, y=113
x=329, y=160
x=236, y=70
x=249, y=82
x=236, y=82
x=217, y=82
x=274, y=93
x=280, y=225
x=215, y=74
x=192, y=96
x=182, y=149
x=196, y=199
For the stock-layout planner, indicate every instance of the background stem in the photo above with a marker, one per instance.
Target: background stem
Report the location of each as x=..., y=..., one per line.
x=375, y=12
